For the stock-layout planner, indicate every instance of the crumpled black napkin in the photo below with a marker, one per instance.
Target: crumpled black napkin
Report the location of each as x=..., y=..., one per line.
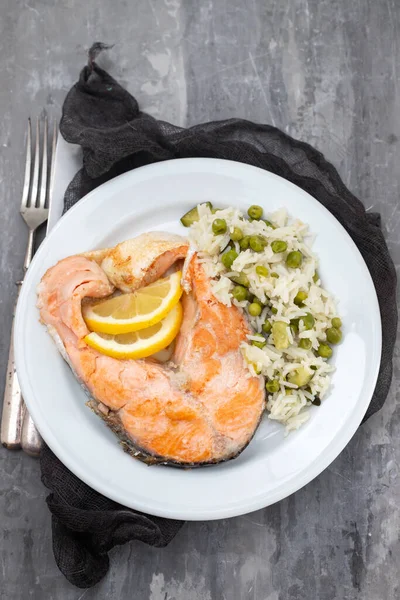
x=87, y=525
x=105, y=120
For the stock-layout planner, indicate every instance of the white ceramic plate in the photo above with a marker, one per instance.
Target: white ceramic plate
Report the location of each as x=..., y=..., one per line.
x=273, y=466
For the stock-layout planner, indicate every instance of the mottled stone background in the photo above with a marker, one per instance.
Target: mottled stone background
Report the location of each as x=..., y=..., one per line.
x=326, y=71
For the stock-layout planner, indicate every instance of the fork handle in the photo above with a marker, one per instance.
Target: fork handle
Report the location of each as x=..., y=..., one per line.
x=29, y=249
x=31, y=440
x=13, y=405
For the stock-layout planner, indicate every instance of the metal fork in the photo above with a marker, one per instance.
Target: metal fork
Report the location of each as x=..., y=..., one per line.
x=17, y=428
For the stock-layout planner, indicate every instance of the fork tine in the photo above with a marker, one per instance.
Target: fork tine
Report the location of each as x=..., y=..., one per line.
x=37, y=185
x=53, y=156
x=35, y=168
x=27, y=177
x=43, y=175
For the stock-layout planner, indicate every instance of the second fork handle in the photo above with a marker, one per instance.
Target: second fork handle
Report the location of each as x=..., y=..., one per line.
x=31, y=440
x=29, y=249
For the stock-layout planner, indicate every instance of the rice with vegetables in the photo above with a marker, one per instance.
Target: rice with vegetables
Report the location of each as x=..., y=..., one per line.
x=266, y=267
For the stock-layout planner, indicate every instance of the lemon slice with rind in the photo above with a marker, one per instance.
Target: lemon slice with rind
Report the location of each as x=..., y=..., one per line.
x=141, y=343
x=138, y=310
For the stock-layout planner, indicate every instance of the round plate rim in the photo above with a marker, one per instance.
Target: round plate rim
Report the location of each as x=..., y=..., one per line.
x=259, y=501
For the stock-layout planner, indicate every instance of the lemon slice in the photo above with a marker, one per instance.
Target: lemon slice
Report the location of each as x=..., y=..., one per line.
x=142, y=343
x=132, y=312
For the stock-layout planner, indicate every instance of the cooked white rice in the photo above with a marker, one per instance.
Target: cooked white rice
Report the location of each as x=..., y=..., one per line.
x=289, y=404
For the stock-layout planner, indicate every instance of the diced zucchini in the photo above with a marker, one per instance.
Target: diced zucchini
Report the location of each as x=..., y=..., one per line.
x=241, y=279
x=192, y=216
x=281, y=338
x=300, y=376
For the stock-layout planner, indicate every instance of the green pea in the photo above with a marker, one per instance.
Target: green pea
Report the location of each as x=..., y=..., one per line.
x=257, y=243
x=244, y=242
x=333, y=335
x=308, y=321
x=237, y=234
x=294, y=259
x=274, y=310
x=228, y=258
x=336, y=322
x=268, y=223
x=274, y=275
x=300, y=297
x=239, y=293
x=278, y=246
x=267, y=326
x=255, y=212
x=324, y=350
x=255, y=309
x=315, y=277
x=241, y=279
x=260, y=343
x=255, y=300
x=272, y=386
x=305, y=343
x=262, y=271
x=294, y=325
x=219, y=226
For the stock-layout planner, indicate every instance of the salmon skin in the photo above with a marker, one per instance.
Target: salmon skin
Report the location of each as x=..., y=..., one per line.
x=200, y=408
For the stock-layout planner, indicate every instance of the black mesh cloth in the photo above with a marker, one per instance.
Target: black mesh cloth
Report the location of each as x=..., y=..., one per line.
x=87, y=525
x=115, y=136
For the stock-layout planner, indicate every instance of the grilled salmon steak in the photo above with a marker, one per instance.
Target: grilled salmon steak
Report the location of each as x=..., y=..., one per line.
x=201, y=407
